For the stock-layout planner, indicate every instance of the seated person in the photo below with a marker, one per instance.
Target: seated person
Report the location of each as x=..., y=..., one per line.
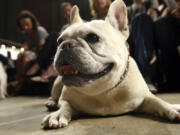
x=141, y=6
x=99, y=8
x=45, y=58
x=33, y=36
x=167, y=33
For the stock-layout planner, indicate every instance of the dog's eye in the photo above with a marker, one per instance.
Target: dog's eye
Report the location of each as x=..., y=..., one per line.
x=92, y=38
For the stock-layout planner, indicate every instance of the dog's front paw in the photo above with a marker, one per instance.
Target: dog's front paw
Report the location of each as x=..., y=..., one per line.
x=54, y=120
x=2, y=97
x=51, y=104
x=176, y=108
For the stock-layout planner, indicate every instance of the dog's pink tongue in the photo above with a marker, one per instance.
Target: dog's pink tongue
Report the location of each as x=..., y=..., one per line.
x=67, y=70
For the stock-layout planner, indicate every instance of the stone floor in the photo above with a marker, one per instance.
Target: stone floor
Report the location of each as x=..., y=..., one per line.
x=23, y=115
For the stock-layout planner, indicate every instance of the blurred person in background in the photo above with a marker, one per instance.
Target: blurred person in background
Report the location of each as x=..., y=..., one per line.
x=141, y=38
x=152, y=32
x=33, y=36
x=140, y=6
x=65, y=9
x=99, y=8
x=167, y=37
x=45, y=59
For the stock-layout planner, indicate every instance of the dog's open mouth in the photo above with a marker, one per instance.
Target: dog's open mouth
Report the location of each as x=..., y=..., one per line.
x=69, y=70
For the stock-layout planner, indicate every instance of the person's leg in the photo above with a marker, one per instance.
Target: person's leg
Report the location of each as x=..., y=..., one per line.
x=142, y=33
x=143, y=38
x=49, y=73
x=166, y=31
x=20, y=65
x=45, y=56
x=33, y=69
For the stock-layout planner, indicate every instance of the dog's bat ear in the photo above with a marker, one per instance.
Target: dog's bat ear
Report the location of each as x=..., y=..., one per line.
x=117, y=17
x=75, y=17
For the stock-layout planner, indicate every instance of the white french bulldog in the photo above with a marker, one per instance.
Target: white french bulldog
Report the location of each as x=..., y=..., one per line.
x=99, y=76
x=3, y=82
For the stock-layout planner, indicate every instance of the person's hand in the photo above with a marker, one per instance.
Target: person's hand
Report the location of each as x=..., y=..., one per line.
x=166, y=12
x=25, y=46
x=176, y=12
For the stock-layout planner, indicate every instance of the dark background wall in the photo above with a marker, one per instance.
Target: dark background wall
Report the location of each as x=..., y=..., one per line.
x=8, y=10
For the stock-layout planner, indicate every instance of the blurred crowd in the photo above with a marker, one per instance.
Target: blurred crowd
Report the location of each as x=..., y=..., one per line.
x=153, y=42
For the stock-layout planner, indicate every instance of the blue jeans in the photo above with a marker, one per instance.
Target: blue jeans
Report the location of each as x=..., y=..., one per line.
x=143, y=38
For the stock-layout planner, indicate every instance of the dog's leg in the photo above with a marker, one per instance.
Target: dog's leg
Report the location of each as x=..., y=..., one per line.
x=55, y=94
x=156, y=106
x=3, y=85
x=2, y=96
x=60, y=118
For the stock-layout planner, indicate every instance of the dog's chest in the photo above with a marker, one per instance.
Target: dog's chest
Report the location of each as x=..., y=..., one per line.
x=101, y=105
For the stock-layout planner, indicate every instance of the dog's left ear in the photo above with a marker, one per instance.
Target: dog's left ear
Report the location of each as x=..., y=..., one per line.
x=117, y=17
x=75, y=17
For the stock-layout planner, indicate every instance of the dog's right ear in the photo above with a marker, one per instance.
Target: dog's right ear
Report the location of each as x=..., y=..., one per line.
x=75, y=17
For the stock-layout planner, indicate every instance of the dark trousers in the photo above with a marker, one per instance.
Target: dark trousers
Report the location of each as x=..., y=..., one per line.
x=46, y=55
x=167, y=36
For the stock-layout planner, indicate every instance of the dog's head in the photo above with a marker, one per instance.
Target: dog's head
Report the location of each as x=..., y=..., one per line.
x=94, y=53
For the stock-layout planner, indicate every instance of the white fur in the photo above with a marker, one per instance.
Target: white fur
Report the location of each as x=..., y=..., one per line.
x=97, y=98
x=3, y=82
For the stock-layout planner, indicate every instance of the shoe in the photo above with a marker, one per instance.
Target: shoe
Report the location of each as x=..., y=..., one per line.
x=38, y=79
x=150, y=85
x=152, y=88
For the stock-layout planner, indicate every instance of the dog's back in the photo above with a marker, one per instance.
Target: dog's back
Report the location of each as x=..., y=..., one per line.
x=3, y=82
